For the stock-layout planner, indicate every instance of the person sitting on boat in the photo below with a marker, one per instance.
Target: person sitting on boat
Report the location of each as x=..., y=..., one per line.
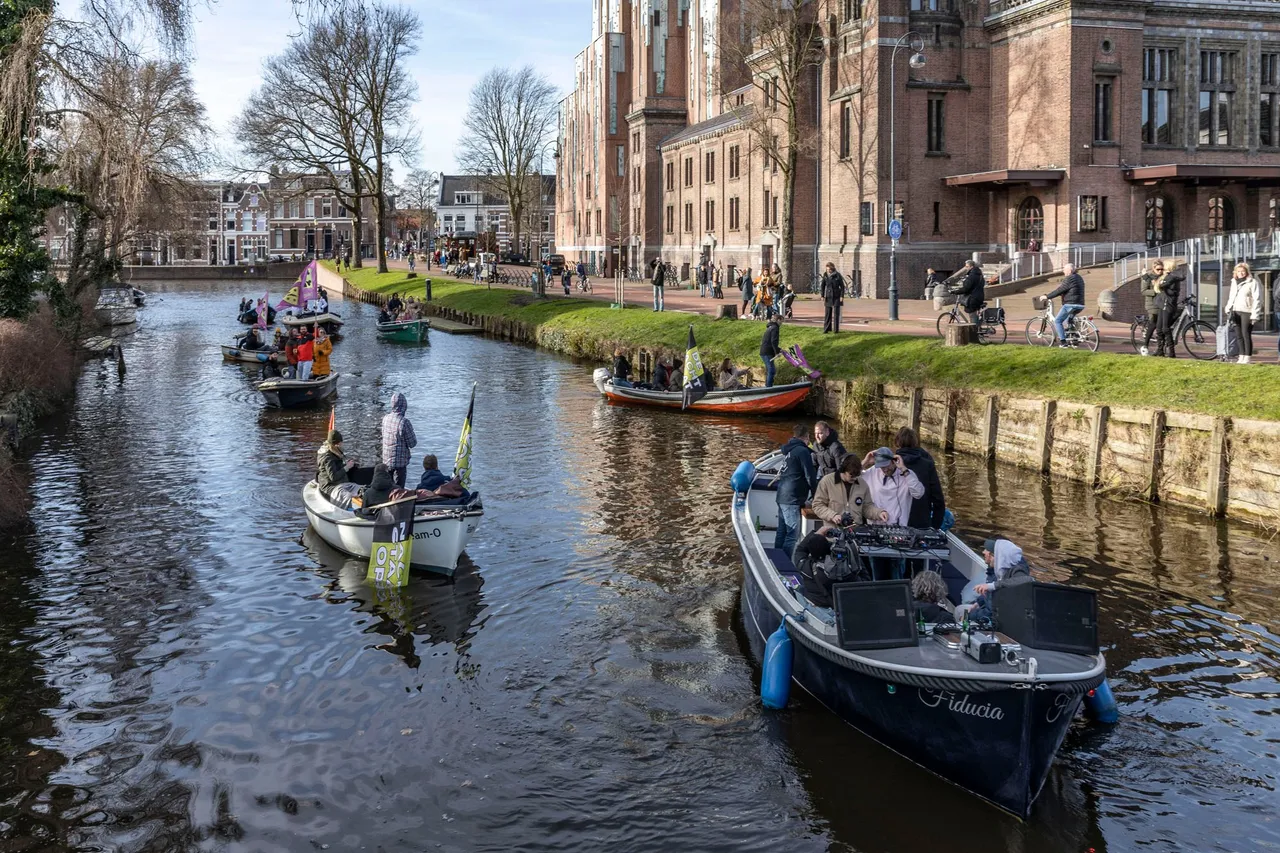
x=1005, y=567
x=662, y=373
x=322, y=346
x=729, y=376
x=384, y=317
x=929, y=598
x=394, y=304
x=812, y=561
x=827, y=449
x=843, y=498
x=893, y=487
x=435, y=484
x=322, y=304
x=380, y=488
x=333, y=472
x=398, y=438
x=621, y=368
x=291, y=354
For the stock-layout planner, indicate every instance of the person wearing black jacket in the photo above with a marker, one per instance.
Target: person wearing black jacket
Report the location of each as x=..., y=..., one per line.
x=827, y=449
x=770, y=348
x=621, y=369
x=1072, y=292
x=973, y=290
x=832, y=299
x=926, y=511
x=1171, y=288
x=932, y=282
x=797, y=482
x=659, y=281
x=1152, y=299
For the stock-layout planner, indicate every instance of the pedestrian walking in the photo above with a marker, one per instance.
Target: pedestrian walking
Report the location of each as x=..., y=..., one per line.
x=748, y=288
x=932, y=281
x=411, y=262
x=1244, y=308
x=832, y=299
x=659, y=282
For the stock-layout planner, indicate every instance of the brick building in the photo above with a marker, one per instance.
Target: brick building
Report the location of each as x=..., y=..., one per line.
x=469, y=208
x=1033, y=127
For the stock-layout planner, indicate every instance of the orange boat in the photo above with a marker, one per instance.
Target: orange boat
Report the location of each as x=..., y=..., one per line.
x=741, y=401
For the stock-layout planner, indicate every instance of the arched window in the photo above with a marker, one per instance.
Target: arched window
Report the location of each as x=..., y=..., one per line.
x=1222, y=215
x=1159, y=221
x=1031, y=224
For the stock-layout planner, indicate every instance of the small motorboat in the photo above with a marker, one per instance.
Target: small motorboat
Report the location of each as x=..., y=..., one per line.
x=253, y=356
x=740, y=401
x=440, y=531
x=283, y=393
x=407, y=332
x=139, y=297
x=328, y=319
x=250, y=316
x=115, y=307
x=990, y=727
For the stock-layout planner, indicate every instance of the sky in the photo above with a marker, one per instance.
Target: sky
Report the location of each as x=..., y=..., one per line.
x=462, y=40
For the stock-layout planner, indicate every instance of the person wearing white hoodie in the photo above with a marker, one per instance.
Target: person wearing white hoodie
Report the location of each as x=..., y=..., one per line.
x=1244, y=308
x=1005, y=567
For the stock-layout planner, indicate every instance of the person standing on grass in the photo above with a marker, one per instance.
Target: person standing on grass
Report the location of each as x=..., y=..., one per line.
x=1244, y=308
x=1170, y=287
x=770, y=348
x=832, y=299
x=748, y=290
x=398, y=439
x=659, y=282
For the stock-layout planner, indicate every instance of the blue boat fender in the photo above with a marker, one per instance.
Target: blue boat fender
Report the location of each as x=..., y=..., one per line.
x=948, y=520
x=1100, y=703
x=743, y=477
x=775, y=680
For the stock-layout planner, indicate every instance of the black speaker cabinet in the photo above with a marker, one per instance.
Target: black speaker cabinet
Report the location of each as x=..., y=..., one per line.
x=1049, y=616
x=874, y=614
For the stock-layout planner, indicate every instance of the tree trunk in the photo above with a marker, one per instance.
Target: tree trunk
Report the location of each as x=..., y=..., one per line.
x=357, y=213
x=787, y=238
x=517, y=211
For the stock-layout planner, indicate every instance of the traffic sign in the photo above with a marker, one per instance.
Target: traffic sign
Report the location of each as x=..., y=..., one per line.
x=895, y=229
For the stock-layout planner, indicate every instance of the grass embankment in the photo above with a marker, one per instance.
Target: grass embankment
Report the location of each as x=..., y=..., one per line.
x=579, y=326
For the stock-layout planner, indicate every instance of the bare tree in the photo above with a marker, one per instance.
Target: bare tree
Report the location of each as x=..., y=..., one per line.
x=418, y=199
x=780, y=49
x=508, y=123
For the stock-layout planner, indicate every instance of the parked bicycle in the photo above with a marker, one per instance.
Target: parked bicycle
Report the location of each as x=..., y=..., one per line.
x=1198, y=337
x=1080, y=330
x=991, y=327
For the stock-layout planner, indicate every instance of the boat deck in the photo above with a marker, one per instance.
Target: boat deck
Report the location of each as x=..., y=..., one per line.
x=455, y=328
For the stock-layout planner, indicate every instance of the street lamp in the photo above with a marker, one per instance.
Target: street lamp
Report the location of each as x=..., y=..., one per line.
x=915, y=42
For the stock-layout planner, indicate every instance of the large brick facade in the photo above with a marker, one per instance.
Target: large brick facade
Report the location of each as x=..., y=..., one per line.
x=1033, y=126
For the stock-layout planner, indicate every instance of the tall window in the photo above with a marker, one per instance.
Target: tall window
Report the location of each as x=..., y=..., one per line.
x=688, y=216
x=846, y=129
x=1102, y=88
x=622, y=161
x=326, y=208
x=1091, y=213
x=735, y=212
x=733, y=162
x=671, y=176
x=671, y=219
x=852, y=10
x=598, y=229
x=1217, y=97
x=1030, y=223
x=710, y=214
x=936, y=124
x=688, y=171
x=1222, y=215
x=279, y=211
x=867, y=219
x=768, y=204
x=1269, y=109
x=1158, y=87
x=774, y=217
x=710, y=174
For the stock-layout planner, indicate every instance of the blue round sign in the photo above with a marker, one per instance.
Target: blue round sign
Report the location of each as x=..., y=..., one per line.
x=895, y=229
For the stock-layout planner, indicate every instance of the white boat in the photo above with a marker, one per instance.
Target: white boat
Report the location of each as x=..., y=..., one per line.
x=310, y=319
x=116, y=307
x=440, y=533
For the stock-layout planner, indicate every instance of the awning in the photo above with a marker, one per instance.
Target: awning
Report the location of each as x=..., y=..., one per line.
x=1197, y=174
x=1004, y=177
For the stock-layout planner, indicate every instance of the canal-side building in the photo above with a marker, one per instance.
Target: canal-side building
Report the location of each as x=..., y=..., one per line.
x=1032, y=128
x=470, y=208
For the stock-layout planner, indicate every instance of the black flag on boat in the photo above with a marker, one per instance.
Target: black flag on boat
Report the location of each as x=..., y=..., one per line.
x=695, y=385
x=392, y=547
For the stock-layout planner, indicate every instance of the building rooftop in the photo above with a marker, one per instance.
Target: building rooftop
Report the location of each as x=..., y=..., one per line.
x=724, y=121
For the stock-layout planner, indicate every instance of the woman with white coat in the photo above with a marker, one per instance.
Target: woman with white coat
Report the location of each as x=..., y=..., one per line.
x=1244, y=308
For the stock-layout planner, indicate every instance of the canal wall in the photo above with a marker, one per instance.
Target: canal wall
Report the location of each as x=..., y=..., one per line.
x=283, y=271
x=1220, y=465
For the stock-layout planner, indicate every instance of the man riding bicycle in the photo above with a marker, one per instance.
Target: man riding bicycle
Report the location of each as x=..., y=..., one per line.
x=1072, y=292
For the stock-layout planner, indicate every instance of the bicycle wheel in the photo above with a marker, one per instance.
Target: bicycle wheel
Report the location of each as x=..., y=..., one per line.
x=1138, y=333
x=1087, y=336
x=1200, y=340
x=992, y=333
x=945, y=320
x=1040, y=332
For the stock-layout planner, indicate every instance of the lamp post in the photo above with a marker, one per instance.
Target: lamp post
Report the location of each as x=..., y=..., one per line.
x=915, y=42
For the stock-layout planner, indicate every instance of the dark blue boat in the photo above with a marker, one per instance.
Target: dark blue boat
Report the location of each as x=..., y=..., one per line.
x=292, y=393
x=992, y=729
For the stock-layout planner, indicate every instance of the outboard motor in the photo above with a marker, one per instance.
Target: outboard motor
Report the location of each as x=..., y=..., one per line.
x=600, y=376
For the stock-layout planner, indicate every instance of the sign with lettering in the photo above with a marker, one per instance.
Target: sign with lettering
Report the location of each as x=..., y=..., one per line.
x=389, y=554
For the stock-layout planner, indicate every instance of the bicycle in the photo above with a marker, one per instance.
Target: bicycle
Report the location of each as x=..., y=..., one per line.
x=584, y=284
x=1198, y=337
x=991, y=327
x=1080, y=330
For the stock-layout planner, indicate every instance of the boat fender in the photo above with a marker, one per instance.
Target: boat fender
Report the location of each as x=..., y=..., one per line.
x=743, y=477
x=1100, y=703
x=948, y=520
x=775, y=680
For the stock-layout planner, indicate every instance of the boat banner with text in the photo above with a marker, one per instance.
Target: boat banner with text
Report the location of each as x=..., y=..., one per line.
x=695, y=386
x=392, y=543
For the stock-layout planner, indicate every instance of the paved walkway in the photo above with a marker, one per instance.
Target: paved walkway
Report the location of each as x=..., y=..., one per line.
x=916, y=316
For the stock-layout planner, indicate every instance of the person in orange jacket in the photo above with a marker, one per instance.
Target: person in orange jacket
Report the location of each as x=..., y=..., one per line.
x=321, y=347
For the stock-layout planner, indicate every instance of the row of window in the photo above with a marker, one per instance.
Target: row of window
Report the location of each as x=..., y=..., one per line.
x=708, y=170
x=709, y=215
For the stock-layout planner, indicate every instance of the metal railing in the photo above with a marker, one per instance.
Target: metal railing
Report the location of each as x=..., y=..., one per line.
x=1033, y=264
x=1235, y=246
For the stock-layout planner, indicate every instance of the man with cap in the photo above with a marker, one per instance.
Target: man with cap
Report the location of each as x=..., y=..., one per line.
x=893, y=487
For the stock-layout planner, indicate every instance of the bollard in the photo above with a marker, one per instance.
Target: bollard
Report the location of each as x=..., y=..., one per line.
x=427, y=283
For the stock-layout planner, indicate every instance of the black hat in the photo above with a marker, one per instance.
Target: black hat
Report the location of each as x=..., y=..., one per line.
x=335, y=437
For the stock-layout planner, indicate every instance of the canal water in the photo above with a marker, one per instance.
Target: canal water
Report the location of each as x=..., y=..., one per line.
x=184, y=667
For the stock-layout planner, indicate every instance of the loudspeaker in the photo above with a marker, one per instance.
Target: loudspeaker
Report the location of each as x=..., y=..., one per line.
x=1048, y=616
x=874, y=614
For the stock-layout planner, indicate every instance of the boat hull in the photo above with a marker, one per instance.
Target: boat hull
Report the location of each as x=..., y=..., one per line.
x=413, y=332
x=250, y=356
x=293, y=393
x=439, y=536
x=997, y=744
x=745, y=401
x=328, y=320
x=118, y=315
